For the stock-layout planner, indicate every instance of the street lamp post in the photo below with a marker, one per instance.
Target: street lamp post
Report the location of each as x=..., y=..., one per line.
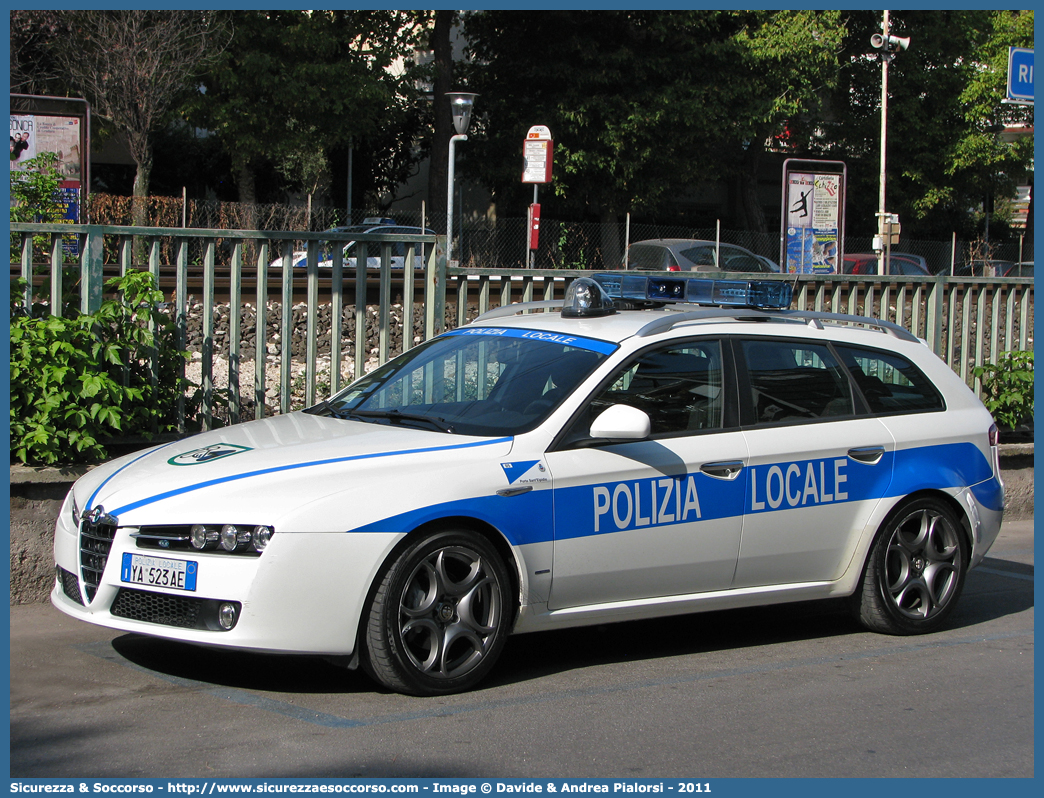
x=887, y=45
x=461, y=103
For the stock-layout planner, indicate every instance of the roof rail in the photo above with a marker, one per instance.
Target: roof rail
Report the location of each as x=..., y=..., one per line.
x=804, y=316
x=519, y=307
x=705, y=314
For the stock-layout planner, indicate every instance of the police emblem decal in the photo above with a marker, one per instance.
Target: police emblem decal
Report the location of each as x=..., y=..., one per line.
x=207, y=454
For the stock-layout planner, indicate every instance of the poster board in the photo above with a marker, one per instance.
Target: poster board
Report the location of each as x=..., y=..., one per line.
x=813, y=214
x=60, y=125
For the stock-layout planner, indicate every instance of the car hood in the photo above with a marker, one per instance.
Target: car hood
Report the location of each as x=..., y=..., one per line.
x=266, y=466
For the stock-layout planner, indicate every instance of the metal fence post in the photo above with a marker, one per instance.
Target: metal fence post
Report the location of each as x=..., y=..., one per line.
x=181, y=315
x=57, y=263
x=91, y=262
x=27, y=271
x=435, y=292
x=934, y=315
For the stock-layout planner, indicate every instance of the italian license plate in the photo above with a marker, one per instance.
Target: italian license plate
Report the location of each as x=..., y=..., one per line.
x=140, y=569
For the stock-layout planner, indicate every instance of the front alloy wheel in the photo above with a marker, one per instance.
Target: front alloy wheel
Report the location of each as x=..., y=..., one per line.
x=440, y=616
x=916, y=570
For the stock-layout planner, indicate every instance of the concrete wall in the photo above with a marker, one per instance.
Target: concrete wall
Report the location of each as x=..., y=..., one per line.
x=37, y=496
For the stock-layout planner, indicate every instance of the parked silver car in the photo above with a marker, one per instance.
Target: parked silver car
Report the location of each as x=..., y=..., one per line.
x=696, y=255
x=373, y=255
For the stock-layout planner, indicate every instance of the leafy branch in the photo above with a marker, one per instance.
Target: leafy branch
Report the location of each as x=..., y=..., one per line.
x=78, y=381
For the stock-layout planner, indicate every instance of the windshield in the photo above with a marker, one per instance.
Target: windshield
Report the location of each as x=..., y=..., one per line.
x=473, y=381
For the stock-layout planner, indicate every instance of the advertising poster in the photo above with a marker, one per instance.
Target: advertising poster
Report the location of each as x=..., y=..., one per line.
x=70, y=198
x=31, y=135
x=61, y=135
x=23, y=140
x=814, y=220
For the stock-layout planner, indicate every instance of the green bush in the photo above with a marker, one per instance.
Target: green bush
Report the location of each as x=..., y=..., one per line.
x=1007, y=387
x=80, y=380
x=34, y=198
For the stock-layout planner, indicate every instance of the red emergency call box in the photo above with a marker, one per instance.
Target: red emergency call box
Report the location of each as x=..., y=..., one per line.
x=534, y=225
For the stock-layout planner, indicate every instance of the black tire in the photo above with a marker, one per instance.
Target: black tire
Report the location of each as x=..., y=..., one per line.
x=915, y=572
x=439, y=617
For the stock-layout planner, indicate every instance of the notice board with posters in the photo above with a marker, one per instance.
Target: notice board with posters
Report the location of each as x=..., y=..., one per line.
x=40, y=124
x=813, y=234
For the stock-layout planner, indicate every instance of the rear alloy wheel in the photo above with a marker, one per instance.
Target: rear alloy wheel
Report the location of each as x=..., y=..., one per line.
x=440, y=616
x=916, y=570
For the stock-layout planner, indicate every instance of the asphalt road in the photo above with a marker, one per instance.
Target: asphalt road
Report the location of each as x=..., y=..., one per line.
x=780, y=692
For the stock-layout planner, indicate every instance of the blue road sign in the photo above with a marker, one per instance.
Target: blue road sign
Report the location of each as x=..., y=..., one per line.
x=1020, y=74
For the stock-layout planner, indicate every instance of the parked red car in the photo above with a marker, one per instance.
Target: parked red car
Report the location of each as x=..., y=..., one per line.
x=900, y=263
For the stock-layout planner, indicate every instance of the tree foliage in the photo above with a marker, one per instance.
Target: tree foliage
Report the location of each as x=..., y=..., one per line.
x=1007, y=387
x=34, y=197
x=643, y=105
x=34, y=68
x=649, y=109
x=81, y=379
x=34, y=190
x=293, y=86
x=134, y=66
x=944, y=154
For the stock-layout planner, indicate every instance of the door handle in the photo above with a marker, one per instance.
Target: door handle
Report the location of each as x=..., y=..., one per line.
x=508, y=492
x=871, y=455
x=724, y=470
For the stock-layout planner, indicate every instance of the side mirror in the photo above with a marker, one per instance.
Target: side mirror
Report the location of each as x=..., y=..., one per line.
x=621, y=422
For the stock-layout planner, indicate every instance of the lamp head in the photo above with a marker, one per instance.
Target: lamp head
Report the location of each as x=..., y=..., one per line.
x=461, y=104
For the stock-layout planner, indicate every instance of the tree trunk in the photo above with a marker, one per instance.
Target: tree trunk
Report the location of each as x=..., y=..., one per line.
x=247, y=186
x=141, y=153
x=751, y=216
x=140, y=193
x=247, y=195
x=443, y=118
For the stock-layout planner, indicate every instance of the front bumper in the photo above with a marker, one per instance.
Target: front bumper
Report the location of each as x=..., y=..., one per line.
x=305, y=594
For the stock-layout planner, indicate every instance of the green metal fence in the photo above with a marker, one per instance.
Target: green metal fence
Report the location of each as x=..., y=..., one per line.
x=356, y=313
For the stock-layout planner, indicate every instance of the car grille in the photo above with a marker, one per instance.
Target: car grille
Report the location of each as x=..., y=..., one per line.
x=140, y=605
x=95, y=544
x=186, y=612
x=70, y=585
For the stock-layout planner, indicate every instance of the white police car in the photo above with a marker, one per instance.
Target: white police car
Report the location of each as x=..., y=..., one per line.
x=549, y=469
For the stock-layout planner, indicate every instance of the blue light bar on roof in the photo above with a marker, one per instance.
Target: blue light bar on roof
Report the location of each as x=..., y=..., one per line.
x=759, y=294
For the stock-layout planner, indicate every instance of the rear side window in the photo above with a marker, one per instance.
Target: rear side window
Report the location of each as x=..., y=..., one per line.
x=792, y=381
x=890, y=384
x=701, y=256
x=641, y=257
x=736, y=261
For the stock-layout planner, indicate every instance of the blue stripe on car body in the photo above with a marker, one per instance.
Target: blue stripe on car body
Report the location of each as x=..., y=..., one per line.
x=104, y=482
x=294, y=466
x=580, y=511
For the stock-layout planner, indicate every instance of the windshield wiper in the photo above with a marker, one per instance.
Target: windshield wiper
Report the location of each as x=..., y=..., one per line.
x=396, y=416
x=325, y=408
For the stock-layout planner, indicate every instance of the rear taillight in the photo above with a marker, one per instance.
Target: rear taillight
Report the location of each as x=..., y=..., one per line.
x=994, y=435
x=674, y=268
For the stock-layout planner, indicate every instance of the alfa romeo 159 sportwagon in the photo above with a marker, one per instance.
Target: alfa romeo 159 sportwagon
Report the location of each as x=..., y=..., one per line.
x=650, y=446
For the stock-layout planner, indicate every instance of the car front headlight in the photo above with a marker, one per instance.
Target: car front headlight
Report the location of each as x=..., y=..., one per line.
x=248, y=539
